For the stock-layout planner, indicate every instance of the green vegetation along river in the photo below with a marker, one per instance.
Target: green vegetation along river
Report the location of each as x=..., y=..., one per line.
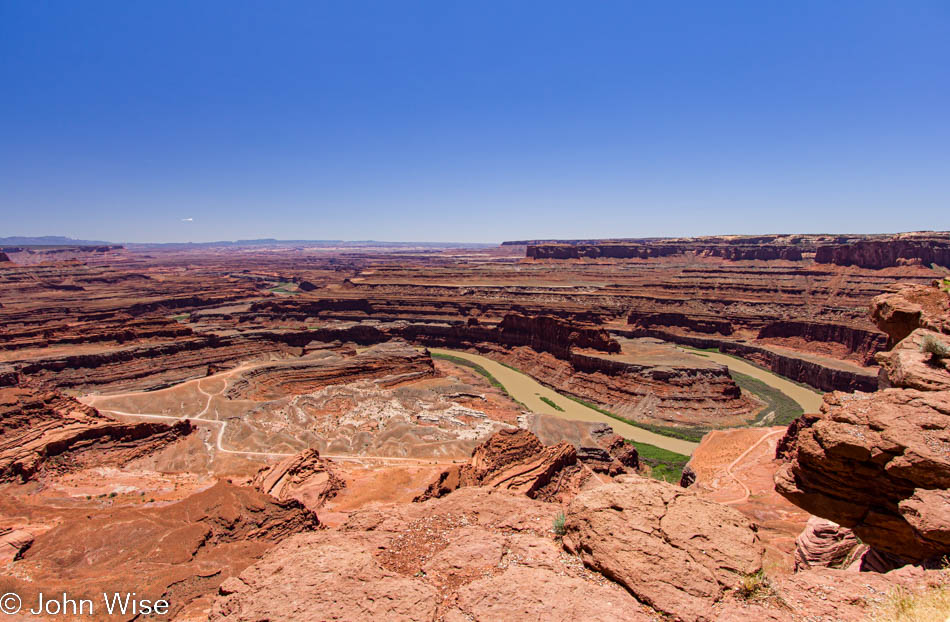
x=809, y=400
x=530, y=392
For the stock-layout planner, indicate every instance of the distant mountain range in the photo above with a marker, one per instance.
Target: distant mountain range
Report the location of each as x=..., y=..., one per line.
x=49, y=240
x=58, y=240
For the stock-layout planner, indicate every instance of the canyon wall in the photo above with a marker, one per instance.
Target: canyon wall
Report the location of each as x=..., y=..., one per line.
x=808, y=372
x=886, y=253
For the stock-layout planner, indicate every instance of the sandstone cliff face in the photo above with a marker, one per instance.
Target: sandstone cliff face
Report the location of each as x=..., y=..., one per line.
x=140, y=366
x=617, y=250
x=798, y=369
x=865, y=458
x=880, y=463
x=887, y=253
x=865, y=343
x=597, y=251
x=48, y=430
x=705, y=325
x=550, y=334
x=394, y=359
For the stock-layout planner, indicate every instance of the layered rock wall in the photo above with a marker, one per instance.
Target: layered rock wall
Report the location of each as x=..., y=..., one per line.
x=878, y=254
x=802, y=370
x=879, y=463
x=48, y=430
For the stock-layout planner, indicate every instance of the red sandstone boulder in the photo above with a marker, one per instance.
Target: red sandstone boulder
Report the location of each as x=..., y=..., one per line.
x=671, y=549
x=824, y=543
x=13, y=543
x=477, y=554
x=915, y=306
x=306, y=477
x=908, y=366
x=825, y=595
x=512, y=459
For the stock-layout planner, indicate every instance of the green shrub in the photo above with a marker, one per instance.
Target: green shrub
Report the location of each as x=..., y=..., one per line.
x=665, y=465
x=552, y=404
x=559, y=528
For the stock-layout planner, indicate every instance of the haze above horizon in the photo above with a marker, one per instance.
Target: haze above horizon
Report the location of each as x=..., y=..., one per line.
x=433, y=121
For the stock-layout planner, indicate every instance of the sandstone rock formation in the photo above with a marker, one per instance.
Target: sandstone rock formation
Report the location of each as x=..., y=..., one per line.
x=826, y=594
x=306, y=375
x=50, y=430
x=306, y=477
x=923, y=249
x=916, y=306
x=908, y=366
x=824, y=543
x=12, y=544
x=879, y=463
x=476, y=554
x=739, y=248
x=622, y=528
x=178, y=552
x=512, y=459
x=864, y=456
x=696, y=392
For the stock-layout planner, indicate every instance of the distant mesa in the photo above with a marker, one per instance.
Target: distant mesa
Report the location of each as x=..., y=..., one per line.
x=865, y=251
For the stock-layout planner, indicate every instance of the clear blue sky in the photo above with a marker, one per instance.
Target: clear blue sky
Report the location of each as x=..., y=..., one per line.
x=472, y=121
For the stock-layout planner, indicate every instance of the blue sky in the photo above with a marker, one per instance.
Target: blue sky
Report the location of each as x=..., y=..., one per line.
x=475, y=121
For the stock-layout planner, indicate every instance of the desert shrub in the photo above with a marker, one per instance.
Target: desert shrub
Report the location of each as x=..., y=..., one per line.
x=936, y=348
x=559, y=528
x=552, y=404
x=755, y=586
x=903, y=605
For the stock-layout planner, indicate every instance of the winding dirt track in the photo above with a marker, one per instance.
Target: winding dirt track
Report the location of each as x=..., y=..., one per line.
x=223, y=424
x=740, y=458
